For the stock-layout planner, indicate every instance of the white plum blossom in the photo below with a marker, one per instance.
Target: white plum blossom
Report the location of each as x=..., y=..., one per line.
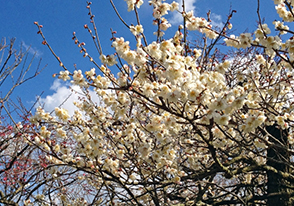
x=177, y=120
x=64, y=75
x=109, y=60
x=136, y=29
x=132, y=3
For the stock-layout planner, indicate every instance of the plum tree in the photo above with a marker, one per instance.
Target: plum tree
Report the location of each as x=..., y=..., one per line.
x=179, y=124
x=19, y=159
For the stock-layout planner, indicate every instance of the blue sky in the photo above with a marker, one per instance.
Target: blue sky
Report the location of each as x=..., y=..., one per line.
x=61, y=18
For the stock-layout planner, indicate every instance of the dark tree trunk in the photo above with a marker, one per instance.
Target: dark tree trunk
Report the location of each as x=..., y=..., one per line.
x=277, y=156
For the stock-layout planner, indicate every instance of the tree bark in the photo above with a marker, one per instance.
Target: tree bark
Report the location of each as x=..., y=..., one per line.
x=277, y=158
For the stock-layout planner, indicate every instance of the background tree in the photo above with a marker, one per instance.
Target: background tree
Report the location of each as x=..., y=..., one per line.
x=18, y=159
x=179, y=124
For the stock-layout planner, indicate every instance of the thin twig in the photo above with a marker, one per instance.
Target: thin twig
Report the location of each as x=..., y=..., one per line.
x=119, y=14
x=138, y=21
x=185, y=29
x=99, y=48
x=46, y=43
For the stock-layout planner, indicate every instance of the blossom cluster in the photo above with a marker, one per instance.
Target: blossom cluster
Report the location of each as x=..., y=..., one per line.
x=172, y=110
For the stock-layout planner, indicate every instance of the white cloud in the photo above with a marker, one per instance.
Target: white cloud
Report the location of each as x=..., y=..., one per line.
x=64, y=95
x=177, y=17
x=30, y=49
x=216, y=20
